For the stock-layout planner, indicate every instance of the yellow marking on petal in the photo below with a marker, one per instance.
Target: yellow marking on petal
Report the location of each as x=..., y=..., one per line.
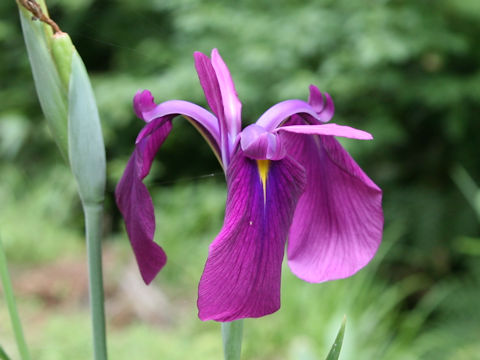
x=263, y=167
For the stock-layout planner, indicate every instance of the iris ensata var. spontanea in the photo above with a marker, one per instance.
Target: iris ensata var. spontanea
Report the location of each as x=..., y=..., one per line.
x=287, y=178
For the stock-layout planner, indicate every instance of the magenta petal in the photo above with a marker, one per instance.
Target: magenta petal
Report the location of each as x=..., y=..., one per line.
x=337, y=226
x=211, y=88
x=232, y=107
x=315, y=99
x=200, y=118
x=259, y=144
x=192, y=111
x=136, y=205
x=242, y=274
x=280, y=112
x=327, y=129
x=143, y=102
x=208, y=81
x=321, y=103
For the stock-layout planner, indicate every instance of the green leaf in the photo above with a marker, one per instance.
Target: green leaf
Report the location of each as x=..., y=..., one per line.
x=85, y=141
x=50, y=90
x=337, y=345
x=3, y=354
x=468, y=187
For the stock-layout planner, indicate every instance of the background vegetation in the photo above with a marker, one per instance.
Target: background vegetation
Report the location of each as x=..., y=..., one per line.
x=406, y=71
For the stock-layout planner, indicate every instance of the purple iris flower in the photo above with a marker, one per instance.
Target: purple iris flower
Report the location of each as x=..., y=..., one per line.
x=287, y=177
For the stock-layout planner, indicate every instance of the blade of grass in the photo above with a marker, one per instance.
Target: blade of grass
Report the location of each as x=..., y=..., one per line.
x=337, y=345
x=3, y=354
x=12, y=307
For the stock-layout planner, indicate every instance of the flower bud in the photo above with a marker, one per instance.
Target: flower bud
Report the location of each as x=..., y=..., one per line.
x=62, y=51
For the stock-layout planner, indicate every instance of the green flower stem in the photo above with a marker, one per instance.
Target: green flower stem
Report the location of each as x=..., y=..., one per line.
x=93, y=228
x=12, y=307
x=232, y=339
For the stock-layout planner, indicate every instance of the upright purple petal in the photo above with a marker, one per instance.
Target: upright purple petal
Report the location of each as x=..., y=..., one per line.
x=208, y=81
x=242, y=274
x=222, y=98
x=211, y=88
x=232, y=107
x=135, y=202
x=337, y=226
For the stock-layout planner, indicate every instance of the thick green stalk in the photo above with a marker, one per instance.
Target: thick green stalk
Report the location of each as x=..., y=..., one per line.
x=93, y=227
x=12, y=307
x=232, y=339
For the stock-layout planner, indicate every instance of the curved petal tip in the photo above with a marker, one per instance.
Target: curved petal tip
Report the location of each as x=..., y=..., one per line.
x=321, y=103
x=143, y=102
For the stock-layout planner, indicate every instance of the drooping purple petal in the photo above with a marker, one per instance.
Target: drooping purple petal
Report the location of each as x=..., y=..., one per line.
x=327, y=129
x=242, y=274
x=321, y=103
x=135, y=202
x=337, y=226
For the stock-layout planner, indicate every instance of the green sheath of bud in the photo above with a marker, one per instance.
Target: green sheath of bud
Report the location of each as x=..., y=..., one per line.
x=50, y=88
x=62, y=51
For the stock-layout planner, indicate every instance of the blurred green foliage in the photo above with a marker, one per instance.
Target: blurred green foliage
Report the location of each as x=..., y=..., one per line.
x=406, y=71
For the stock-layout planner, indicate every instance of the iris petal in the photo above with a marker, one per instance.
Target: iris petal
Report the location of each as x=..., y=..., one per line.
x=242, y=274
x=180, y=107
x=143, y=102
x=136, y=205
x=280, y=112
x=222, y=98
x=201, y=119
x=321, y=103
x=208, y=81
x=258, y=144
x=232, y=107
x=337, y=226
x=327, y=129
x=132, y=196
